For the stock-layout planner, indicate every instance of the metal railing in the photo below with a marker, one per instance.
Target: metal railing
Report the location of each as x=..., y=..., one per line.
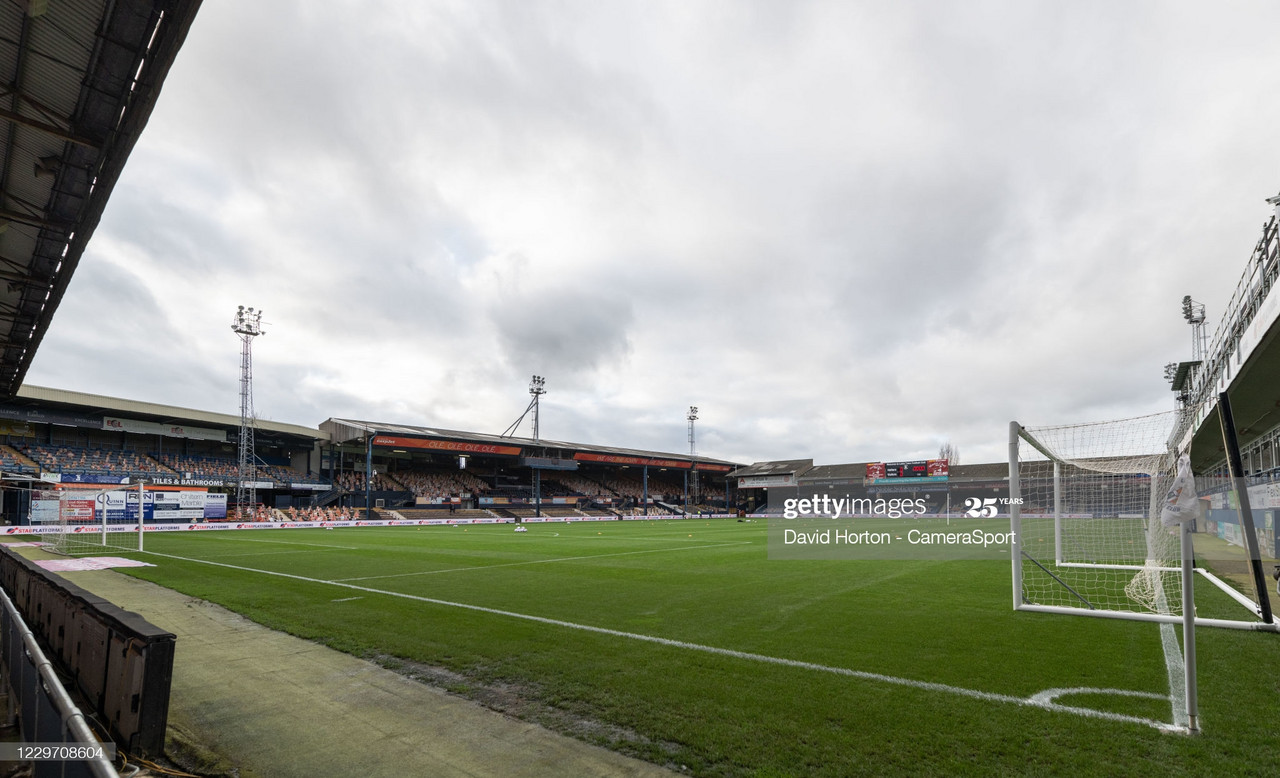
x=45, y=710
x=1260, y=275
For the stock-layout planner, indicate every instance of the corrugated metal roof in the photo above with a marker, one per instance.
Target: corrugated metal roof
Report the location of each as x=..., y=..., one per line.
x=779, y=467
x=80, y=79
x=134, y=407
x=341, y=430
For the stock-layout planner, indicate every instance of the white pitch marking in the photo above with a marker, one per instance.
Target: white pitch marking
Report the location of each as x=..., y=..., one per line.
x=541, y=561
x=1034, y=701
x=282, y=542
x=348, y=599
x=265, y=553
x=1177, y=670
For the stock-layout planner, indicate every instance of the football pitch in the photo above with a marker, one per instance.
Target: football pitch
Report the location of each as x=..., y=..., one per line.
x=680, y=642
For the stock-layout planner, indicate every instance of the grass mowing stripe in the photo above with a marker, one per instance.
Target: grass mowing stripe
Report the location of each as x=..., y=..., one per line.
x=541, y=561
x=283, y=542
x=1043, y=700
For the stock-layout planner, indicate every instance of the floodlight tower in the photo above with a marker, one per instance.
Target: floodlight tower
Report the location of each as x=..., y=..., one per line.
x=537, y=388
x=248, y=325
x=692, y=417
x=1193, y=312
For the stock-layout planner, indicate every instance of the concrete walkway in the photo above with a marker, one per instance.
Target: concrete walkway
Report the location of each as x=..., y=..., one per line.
x=282, y=706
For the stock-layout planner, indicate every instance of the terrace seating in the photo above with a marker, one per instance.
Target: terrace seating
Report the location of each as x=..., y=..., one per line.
x=355, y=481
x=12, y=461
x=440, y=483
x=76, y=460
x=578, y=485
x=289, y=475
x=415, y=514
x=324, y=514
x=547, y=510
x=200, y=466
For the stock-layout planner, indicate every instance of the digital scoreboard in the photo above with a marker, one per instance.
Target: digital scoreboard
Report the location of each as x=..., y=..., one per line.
x=906, y=469
x=921, y=469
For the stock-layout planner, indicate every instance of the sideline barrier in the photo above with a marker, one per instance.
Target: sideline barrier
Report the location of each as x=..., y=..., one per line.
x=213, y=526
x=121, y=664
x=42, y=705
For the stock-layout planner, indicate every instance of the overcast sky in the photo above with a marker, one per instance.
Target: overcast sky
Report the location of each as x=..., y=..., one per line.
x=844, y=230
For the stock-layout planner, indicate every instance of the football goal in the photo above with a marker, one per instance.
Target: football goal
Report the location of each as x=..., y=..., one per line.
x=1087, y=524
x=93, y=521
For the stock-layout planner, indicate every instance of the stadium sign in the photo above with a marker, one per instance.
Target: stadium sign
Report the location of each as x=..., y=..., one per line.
x=84, y=478
x=704, y=467
x=765, y=481
x=171, y=480
x=613, y=459
x=445, y=445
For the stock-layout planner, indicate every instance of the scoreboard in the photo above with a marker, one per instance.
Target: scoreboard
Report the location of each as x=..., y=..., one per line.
x=920, y=469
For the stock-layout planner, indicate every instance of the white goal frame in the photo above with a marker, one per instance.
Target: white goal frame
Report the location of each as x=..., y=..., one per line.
x=1019, y=433
x=76, y=536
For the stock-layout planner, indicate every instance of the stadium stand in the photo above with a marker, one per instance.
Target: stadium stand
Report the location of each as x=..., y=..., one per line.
x=547, y=510
x=289, y=475
x=579, y=485
x=13, y=461
x=199, y=467
x=68, y=459
x=415, y=514
x=354, y=481
x=322, y=514
x=440, y=483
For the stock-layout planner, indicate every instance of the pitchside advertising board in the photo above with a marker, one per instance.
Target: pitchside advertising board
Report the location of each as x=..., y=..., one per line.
x=179, y=526
x=122, y=506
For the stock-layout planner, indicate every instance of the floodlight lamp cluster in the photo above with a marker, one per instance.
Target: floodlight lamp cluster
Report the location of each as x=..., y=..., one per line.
x=1170, y=370
x=247, y=321
x=537, y=385
x=693, y=413
x=1192, y=311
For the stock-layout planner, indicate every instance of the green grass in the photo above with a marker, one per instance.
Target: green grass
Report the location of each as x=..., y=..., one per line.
x=710, y=583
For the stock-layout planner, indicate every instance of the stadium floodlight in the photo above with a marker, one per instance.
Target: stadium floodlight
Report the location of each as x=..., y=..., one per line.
x=692, y=417
x=537, y=388
x=1193, y=312
x=248, y=325
x=1170, y=370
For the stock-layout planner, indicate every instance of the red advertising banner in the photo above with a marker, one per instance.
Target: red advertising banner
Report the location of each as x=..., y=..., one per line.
x=619, y=460
x=446, y=445
x=712, y=468
x=875, y=470
x=938, y=467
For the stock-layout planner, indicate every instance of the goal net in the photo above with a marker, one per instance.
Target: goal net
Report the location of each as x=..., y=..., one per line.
x=95, y=521
x=1088, y=526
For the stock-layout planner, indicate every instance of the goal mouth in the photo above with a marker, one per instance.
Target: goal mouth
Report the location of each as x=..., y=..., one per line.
x=92, y=520
x=1088, y=522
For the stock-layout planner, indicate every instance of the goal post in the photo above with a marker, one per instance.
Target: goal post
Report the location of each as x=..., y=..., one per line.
x=1087, y=522
x=93, y=521
x=1101, y=528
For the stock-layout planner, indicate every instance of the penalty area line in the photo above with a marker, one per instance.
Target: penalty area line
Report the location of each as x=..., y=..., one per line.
x=278, y=542
x=1043, y=700
x=539, y=561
